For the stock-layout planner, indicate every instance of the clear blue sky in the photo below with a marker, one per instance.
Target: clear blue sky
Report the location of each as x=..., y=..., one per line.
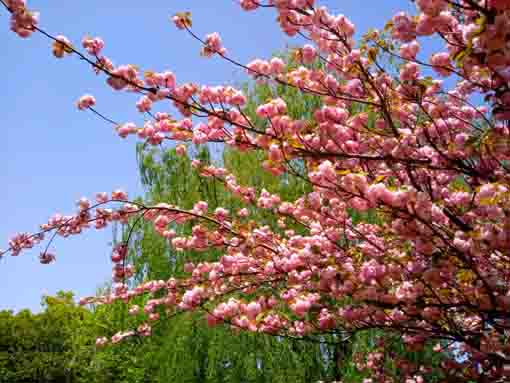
x=53, y=154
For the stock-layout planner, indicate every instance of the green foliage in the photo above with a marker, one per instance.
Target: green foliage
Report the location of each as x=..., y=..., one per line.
x=56, y=345
x=188, y=350
x=193, y=353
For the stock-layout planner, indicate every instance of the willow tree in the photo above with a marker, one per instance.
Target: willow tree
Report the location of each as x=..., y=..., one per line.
x=187, y=349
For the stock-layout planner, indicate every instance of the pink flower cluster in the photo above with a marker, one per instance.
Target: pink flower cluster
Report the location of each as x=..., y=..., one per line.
x=213, y=45
x=23, y=241
x=273, y=108
x=23, y=21
x=93, y=45
x=249, y=5
x=86, y=101
x=259, y=67
x=123, y=76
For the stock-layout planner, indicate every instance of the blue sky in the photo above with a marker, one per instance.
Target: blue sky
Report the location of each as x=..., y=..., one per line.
x=53, y=154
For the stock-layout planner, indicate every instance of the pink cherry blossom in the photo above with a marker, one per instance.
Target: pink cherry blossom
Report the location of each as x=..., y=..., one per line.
x=86, y=101
x=403, y=223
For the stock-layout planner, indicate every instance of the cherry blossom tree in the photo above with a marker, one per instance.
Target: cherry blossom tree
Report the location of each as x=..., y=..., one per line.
x=425, y=149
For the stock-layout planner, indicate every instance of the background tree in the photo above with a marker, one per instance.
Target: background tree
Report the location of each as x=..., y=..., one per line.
x=56, y=345
x=190, y=351
x=168, y=177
